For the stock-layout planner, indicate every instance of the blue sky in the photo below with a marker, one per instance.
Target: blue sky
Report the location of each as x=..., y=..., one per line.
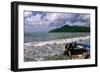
x=35, y=21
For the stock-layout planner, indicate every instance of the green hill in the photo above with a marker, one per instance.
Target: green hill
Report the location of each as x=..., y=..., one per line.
x=67, y=28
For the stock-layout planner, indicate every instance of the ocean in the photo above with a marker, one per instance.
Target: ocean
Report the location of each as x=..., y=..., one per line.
x=36, y=37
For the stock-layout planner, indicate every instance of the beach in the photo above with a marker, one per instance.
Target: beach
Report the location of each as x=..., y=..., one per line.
x=48, y=50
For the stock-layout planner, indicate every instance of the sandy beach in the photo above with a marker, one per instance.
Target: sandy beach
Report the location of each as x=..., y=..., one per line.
x=40, y=51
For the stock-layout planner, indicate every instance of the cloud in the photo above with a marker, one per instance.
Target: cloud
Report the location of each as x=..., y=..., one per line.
x=27, y=13
x=79, y=20
x=45, y=21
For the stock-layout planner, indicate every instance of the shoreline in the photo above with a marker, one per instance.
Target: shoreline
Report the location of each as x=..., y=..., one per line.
x=48, y=50
x=58, y=41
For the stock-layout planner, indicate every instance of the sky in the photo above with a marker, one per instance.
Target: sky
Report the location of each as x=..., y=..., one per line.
x=36, y=21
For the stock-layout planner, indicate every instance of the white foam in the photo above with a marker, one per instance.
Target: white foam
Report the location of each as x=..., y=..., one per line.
x=58, y=41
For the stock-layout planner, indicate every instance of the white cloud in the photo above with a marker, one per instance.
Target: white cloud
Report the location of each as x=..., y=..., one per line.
x=33, y=20
x=78, y=23
x=55, y=18
x=27, y=13
x=49, y=18
x=39, y=23
x=84, y=17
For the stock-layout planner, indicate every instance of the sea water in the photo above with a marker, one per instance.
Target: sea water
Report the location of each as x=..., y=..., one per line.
x=35, y=37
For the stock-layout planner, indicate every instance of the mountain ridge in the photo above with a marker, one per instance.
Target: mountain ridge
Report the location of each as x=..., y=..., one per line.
x=67, y=28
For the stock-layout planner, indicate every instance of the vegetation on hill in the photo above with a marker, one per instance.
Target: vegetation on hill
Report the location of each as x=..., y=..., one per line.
x=67, y=28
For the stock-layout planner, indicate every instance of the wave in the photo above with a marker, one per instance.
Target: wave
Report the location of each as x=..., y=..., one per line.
x=58, y=41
